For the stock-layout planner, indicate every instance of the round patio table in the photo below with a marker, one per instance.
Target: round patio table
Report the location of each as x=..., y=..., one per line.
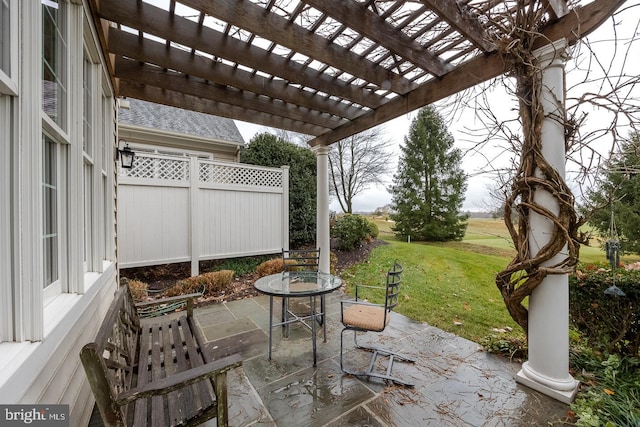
x=296, y=284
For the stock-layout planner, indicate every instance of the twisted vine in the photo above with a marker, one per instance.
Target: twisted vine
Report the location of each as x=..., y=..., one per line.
x=527, y=270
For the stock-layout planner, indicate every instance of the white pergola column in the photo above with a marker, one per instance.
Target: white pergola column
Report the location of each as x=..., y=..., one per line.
x=322, y=213
x=547, y=369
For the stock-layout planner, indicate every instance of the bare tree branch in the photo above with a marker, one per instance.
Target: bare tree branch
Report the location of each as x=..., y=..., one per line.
x=357, y=163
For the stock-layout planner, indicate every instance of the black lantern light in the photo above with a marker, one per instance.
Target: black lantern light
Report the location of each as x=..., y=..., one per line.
x=126, y=157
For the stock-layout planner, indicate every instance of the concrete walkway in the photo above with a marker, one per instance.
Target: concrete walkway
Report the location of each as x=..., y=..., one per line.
x=457, y=384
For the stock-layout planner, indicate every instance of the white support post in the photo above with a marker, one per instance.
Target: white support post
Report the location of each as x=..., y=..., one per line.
x=547, y=369
x=322, y=215
x=194, y=214
x=285, y=207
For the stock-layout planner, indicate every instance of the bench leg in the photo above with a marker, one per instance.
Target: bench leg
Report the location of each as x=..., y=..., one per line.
x=221, y=399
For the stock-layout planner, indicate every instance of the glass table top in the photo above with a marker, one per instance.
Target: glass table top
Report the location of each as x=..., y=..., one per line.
x=298, y=283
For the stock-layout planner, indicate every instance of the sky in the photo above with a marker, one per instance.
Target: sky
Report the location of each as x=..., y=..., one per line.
x=463, y=122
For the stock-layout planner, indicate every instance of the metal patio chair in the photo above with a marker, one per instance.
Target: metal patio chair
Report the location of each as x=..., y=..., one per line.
x=362, y=316
x=301, y=260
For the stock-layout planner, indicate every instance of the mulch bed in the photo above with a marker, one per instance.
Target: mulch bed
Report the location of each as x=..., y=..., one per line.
x=160, y=277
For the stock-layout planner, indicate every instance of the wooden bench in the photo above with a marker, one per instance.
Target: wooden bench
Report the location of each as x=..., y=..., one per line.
x=154, y=371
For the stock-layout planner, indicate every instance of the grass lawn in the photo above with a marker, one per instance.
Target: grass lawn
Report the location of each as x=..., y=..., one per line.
x=493, y=233
x=451, y=285
x=448, y=287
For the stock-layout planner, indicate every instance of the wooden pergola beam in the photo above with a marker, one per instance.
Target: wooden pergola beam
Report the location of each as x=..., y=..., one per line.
x=474, y=72
x=196, y=103
x=374, y=27
x=582, y=21
x=277, y=29
x=155, y=21
x=127, y=69
x=149, y=51
x=463, y=22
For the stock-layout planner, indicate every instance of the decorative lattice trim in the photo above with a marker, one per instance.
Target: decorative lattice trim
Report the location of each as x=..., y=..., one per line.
x=217, y=173
x=151, y=166
x=173, y=168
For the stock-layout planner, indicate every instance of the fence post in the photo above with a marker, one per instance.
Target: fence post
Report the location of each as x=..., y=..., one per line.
x=285, y=207
x=194, y=212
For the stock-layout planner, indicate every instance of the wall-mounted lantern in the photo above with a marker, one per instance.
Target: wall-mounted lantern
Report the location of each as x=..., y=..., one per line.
x=126, y=156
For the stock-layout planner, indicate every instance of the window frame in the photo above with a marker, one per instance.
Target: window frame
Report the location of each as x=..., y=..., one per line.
x=61, y=285
x=64, y=50
x=6, y=239
x=9, y=82
x=58, y=132
x=106, y=171
x=88, y=162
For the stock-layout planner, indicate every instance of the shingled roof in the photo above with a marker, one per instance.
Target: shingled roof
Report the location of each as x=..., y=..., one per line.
x=158, y=116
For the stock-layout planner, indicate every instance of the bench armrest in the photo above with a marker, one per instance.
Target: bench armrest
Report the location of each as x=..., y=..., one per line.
x=180, y=379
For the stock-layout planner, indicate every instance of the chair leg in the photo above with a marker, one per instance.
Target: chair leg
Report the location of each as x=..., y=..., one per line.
x=377, y=352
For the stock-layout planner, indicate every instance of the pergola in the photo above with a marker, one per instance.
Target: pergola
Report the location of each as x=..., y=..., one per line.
x=331, y=69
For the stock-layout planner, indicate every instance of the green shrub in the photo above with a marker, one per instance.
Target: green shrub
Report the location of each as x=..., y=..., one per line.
x=351, y=231
x=269, y=150
x=610, y=321
x=512, y=345
x=241, y=266
x=610, y=392
x=373, y=230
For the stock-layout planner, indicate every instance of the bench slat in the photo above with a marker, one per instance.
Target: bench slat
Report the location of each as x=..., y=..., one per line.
x=140, y=414
x=173, y=399
x=157, y=404
x=187, y=392
x=204, y=391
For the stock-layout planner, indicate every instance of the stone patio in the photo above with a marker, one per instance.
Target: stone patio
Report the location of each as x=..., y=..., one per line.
x=457, y=383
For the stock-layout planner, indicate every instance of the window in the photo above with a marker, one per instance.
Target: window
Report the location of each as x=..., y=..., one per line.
x=87, y=154
x=50, y=223
x=106, y=173
x=54, y=55
x=5, y=38
x=8, y=47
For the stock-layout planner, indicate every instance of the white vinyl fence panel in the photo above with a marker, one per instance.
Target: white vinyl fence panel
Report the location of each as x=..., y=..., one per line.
x=177, y=209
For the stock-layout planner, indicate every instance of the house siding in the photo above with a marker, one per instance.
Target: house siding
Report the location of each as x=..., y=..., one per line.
x=40, y=341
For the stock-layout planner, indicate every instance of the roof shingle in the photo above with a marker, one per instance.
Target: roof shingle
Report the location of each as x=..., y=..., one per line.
x=157, y=116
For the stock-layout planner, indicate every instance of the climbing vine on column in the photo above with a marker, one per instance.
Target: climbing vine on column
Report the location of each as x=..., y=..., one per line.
x=527, y=270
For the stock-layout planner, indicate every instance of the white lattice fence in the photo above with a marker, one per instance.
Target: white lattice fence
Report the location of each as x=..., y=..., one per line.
x=219, y=173
x=153, y=166
x=176, y=209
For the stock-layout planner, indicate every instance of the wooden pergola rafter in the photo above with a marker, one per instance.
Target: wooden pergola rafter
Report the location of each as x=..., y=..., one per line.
x=325, y=68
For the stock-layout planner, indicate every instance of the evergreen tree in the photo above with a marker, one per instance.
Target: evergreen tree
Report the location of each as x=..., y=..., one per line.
x=617, y=198
x=428, y=188
x=266, y=149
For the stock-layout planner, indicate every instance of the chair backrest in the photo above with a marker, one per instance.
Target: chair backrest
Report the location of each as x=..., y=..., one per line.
x=394, y=278
x=301, y=259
